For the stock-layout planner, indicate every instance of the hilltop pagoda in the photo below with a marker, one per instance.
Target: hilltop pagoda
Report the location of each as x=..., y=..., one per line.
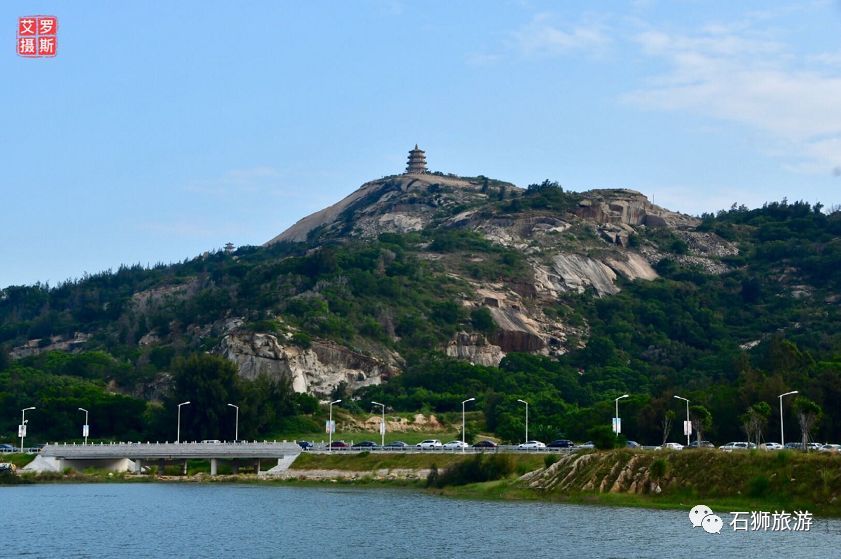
x=417, y=162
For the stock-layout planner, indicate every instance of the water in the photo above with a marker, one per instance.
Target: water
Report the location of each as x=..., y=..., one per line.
x=182, y=520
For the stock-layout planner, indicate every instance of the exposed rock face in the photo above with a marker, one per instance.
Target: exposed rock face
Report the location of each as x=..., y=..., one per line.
x=55, y=343
x=474, y=348
x=395, y=204
x=316, y=370
x=624, y=206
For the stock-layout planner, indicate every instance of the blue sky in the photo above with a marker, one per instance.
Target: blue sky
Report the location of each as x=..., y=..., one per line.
x=164, y=129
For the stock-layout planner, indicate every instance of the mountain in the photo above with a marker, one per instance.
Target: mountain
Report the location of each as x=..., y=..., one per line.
x=420, y=288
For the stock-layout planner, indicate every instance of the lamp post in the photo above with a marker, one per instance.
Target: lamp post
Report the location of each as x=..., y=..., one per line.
x=178, y=436
x=382, y=423
x=782, y=429
x=527, y=418
x=85, y=427
x=22, y=428
x=618, y=428
x=236, y=423
x=687, y=419
x=331, y=426
x=463, y=432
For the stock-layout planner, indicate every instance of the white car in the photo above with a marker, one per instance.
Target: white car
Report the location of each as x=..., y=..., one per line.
x=531, y=445
x=772, y=446
x=673, y=446
x=455, y=445
x=429, y=444
x=831, y=448
x=736, y=445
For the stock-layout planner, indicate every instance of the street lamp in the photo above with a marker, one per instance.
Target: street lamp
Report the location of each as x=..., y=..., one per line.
x=178, y=436
x=527, y=418
x=782, y=430
x=618, y=425
x=382, y=424
x=22, y=428
x=85, y=426
x=236, y=423
x=331, y=426
x=463, y=432
x=687, y=426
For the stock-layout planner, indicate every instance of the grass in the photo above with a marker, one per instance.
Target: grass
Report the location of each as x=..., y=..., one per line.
x=18, y=459
x=375, y=461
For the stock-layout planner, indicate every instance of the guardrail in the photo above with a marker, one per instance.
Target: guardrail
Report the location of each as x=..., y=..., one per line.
x=322, y=448
x=168, y=450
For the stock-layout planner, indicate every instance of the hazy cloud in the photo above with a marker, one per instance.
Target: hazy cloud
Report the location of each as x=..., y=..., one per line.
x=733, y=74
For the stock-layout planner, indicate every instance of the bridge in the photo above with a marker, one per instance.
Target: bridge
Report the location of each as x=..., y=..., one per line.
x=133, y=456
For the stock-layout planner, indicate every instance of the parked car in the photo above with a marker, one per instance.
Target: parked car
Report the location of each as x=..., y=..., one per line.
x=561, y=443
x=673, y=446
x=429, y=444
x=831, y=448
x=772, y=446
x=736, y=445
x=485, y=444
x=633, y=444
x=702, y=444
x=397, y=445
x=338, y=444
x=211, y=441
x=365, y=445
x=455, y=445
x=814, y=446
x=305, y=445
x=7, y=448
x=586, y=446
x=794, y=446
x=531, y=445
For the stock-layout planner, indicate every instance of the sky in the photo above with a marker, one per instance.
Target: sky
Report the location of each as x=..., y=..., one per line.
x=165, y=129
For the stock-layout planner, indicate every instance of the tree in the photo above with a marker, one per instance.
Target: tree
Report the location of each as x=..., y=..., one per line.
x=808, y=415
x=666, y=424
x=702, y=420
x=209, y=382
x=755, y=419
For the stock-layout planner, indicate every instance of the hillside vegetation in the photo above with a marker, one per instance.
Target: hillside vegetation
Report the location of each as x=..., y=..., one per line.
x=766, y=322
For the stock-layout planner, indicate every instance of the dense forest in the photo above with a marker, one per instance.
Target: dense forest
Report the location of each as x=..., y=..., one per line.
x=727, y=342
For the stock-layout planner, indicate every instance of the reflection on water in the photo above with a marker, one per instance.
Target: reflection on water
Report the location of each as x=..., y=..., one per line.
x=196, y=520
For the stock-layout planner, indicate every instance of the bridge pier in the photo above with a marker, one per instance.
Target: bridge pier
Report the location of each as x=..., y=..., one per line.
x=184, y=468
x=235, y=466
x=214, y=466
x=138, y=466
x=161, y=467
x=258, y=466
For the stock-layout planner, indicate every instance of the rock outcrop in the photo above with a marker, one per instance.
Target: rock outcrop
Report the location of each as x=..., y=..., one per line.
x=317, y=370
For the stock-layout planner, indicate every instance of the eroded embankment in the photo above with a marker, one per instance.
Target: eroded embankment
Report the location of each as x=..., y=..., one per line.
x=782, y=478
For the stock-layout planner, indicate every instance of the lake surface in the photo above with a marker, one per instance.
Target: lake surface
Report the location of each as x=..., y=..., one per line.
x=180, y=520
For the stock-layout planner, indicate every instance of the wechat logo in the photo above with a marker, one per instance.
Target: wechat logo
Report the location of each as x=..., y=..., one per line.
x=702, y=516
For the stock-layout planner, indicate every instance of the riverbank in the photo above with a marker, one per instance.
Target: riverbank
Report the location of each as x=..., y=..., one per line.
x=661, y=480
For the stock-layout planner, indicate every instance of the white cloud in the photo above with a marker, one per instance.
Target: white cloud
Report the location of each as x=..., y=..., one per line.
x=541, y=36
x=739, y=76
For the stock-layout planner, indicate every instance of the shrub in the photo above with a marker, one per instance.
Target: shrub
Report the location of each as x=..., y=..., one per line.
x=550, y=459
x=658, y=469
x=759, y=486
x=478, y=469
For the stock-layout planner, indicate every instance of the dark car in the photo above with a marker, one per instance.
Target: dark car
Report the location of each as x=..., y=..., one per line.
x=365, y=445
x=703, y=444
x=397, y=445
x=305, y=445
x=6, y=448
x=485, y=444
x=633, y=444
x=561, y=443
x=338, y=444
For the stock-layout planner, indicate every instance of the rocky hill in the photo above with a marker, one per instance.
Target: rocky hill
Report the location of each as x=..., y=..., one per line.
x=419, y=288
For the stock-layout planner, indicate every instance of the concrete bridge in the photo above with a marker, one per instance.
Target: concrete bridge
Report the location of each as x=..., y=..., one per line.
x=134, y=456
